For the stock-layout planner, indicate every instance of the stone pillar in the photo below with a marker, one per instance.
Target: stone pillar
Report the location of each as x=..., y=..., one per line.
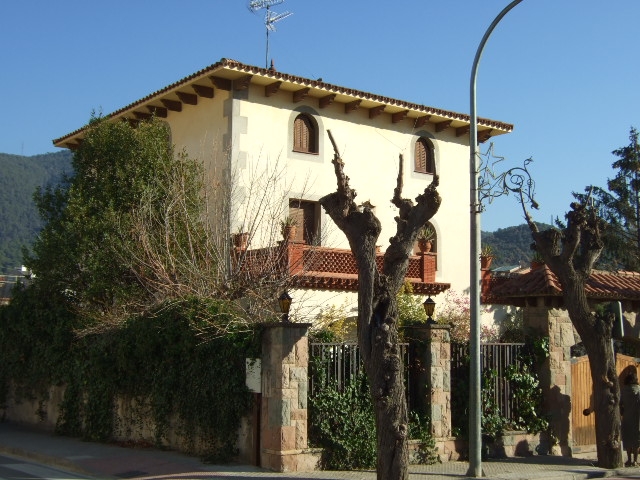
x=283, y=429
x=431, y=375
x=555, y=373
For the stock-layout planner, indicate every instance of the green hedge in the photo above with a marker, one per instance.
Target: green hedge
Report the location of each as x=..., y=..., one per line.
x=164, y=361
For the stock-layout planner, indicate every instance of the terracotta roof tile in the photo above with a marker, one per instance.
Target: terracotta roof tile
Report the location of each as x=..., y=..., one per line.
x=233, y=69
x=541, y=282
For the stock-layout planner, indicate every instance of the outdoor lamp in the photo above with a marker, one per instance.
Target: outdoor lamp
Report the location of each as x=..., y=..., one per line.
x=284, y=301
x=429, y=307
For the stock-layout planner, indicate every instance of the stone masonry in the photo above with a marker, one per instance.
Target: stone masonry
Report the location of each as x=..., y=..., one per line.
x=283, y=430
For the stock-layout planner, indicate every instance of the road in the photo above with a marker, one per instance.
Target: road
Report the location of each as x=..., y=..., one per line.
x=14, y=468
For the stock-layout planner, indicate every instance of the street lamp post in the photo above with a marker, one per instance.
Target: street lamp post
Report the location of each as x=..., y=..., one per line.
x=475, y=431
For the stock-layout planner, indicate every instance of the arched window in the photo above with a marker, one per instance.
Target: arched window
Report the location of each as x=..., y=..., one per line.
x=305, y=134
x=424, y=161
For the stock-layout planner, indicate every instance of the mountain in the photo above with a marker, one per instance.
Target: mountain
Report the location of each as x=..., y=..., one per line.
x=20, y=222
x=19, y=218
x=511, y=245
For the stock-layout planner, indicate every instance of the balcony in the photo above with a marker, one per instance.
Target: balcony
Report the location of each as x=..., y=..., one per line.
x=324, y=268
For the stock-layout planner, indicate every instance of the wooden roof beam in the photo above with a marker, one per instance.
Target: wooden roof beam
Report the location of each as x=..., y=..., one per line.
x=272, y=89
x=461, y=131
x=484, y=135
x=442, y=126
x=188, y=98
x=242, y=83
x=421, y=121
x=203, y=91
x=375, y=111
x=351, y=106
x=159, y=112
x=172, y=105
x=300, y=95
x=221, y=83
x=327, y=100
x=142, y=115
x=399, y=116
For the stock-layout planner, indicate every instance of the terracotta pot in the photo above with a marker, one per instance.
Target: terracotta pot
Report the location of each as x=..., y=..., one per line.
x=241, y=240
x=289, y=232
x=485, y=262
x=424, y=246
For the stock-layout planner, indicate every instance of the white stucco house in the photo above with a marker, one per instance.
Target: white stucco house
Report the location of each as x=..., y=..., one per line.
x=244, y=121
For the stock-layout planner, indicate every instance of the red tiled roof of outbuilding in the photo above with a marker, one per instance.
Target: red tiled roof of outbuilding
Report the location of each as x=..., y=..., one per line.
x=542, y=282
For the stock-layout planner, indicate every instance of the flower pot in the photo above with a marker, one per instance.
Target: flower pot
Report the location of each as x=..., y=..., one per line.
x=424, y=245
x=241, y=240
x=485, y=262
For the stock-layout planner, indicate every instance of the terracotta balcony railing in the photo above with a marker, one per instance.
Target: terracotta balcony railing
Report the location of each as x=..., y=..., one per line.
x=331, y=268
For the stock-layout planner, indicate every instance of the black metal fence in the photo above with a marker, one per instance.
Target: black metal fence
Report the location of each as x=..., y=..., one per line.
x=496, y=357
x=340, y=362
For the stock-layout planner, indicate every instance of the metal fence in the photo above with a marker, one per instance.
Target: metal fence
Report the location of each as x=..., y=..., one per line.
x=337, y=363
x=495, y=357
x=340, y=362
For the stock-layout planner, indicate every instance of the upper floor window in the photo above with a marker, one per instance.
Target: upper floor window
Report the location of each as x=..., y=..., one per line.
x=307, y=216
x=424, y=161
x=305, y=134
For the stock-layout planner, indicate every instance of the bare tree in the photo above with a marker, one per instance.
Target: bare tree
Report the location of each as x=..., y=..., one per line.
x=377, y=304
x=571, y=253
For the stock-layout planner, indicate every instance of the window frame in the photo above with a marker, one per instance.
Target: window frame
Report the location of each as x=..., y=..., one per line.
x=429, y=151
x=312, y=132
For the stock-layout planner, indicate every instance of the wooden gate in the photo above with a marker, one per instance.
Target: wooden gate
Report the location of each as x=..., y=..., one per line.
x=584, y=426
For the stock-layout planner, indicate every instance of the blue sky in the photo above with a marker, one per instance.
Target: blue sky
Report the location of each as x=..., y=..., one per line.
x=565, y=73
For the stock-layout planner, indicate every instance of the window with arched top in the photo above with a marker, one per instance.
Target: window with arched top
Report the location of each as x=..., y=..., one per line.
x=424, y=161
x=305, y=134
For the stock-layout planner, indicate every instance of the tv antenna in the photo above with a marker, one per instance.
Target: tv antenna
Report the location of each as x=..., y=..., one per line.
x=270, y=18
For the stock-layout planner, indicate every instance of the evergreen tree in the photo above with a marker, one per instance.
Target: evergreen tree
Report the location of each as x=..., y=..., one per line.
x=619, y=206
x=101, y=223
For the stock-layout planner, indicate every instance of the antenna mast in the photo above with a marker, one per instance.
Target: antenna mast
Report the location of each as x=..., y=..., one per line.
x=270, y=19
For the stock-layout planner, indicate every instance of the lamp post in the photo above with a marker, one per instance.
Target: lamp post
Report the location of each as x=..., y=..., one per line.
x=284, y=301
x=429, y=307
x=475, y=428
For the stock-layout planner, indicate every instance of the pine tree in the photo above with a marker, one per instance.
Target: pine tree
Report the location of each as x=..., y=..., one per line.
x=619, y=206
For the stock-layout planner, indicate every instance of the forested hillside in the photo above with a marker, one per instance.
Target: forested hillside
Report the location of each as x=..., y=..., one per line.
x=511, y=245
x=19, y=219
x=20, y=222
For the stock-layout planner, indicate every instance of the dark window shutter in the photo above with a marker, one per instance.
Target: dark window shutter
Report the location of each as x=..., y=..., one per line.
x=423, y=157
x=304, y=135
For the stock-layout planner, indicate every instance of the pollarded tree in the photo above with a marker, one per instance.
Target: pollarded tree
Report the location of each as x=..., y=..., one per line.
x=571, y=253
x=377, y=304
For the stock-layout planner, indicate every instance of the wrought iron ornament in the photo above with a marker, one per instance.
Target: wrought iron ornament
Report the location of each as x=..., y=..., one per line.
x=492, y=185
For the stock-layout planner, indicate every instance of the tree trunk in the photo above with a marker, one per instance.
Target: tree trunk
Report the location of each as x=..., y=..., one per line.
x=377, y=306
x=596, y=333
x=571, y=254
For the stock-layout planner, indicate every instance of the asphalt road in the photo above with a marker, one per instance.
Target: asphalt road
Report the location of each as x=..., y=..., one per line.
x=14, y=468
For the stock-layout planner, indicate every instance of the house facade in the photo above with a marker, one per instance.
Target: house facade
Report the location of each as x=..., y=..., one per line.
x=259, y=130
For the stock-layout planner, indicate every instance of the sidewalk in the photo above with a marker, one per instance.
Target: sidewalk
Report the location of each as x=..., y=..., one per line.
x=102, y=461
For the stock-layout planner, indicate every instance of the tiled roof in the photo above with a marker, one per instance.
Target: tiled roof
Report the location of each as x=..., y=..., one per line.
x=541, y=282
x=232, y=70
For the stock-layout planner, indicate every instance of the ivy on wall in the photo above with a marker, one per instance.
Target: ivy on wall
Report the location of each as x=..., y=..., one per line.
x=162, y=363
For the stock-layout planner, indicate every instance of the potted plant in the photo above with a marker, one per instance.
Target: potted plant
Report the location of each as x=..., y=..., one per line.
x=486, y=257
x=241, y=240
x=425, y=238
x=288, y=227
x=536, y=261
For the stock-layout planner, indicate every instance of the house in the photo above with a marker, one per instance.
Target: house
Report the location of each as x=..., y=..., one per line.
x=241, y=120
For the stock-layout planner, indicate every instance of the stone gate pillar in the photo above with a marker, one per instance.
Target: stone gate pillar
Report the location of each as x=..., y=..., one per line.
x=283, y=424
x=555, y=373
x=430, y=377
